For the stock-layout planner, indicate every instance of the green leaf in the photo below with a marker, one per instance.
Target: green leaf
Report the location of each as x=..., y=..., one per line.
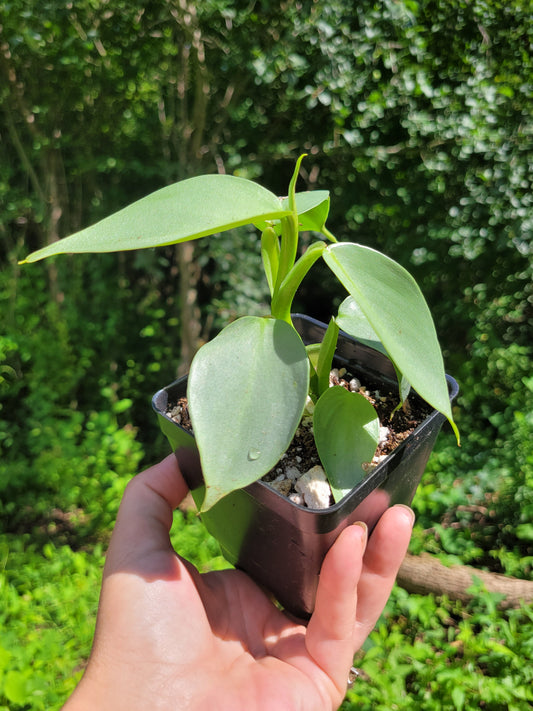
x=393, y=304
x=16, y=686
x=346, y=430
x=312, y=208
x=458, y=697
x=313, y=353
x=5, y=657
x=122, y=405
x=352, y=320
x=283, y=296
x=247, y=390
x=524, y=531
x=187, y=210
x=270, y=255
x=325, y=355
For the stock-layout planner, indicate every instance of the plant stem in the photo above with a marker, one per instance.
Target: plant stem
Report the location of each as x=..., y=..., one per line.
x=289, y=231
x=270, y=256
x=288, y=248
x=284, y=294
x=325, y=355
x=329, y=235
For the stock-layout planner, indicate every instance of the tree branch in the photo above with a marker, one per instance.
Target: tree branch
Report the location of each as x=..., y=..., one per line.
x=425, y=574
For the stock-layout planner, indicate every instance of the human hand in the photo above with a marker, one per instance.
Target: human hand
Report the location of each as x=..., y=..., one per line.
x=170, y=638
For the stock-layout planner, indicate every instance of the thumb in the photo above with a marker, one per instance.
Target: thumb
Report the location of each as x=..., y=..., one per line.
x=145, y=515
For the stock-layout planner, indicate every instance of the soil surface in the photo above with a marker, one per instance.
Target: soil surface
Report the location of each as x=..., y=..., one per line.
x=302, y=454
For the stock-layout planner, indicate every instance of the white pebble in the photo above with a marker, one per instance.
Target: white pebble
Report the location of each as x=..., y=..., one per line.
x=383, y=434
x=333, y=377
x=315, y=488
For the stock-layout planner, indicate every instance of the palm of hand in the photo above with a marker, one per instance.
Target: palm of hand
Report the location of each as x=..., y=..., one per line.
x=232, y=638
x=168, y=637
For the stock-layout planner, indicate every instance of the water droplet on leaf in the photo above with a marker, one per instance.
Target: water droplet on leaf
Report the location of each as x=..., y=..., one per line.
x=254, y=454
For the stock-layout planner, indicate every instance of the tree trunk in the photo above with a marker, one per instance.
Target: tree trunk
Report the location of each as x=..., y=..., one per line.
x=425, y=574
x=183, y=124
x=189, y=310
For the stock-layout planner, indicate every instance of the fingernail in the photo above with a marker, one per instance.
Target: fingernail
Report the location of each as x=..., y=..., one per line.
x=363, y=525
x=409, y=512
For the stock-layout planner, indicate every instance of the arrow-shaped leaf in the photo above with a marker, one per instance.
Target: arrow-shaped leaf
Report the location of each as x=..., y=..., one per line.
x=187, y=210
x=393, y=304
x=247, y=390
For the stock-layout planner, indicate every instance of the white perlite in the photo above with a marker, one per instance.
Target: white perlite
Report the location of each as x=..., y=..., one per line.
x=383, y=434
x=314, y=487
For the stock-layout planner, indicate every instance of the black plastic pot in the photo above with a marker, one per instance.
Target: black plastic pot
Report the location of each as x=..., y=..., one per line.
x=281, y=545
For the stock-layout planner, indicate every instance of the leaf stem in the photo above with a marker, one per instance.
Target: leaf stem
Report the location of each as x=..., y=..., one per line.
x=284, y=294
x=329, y=235
x=325, y=355
x=270, y=256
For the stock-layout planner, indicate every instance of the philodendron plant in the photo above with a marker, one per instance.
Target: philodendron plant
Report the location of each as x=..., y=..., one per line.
x=249, y=387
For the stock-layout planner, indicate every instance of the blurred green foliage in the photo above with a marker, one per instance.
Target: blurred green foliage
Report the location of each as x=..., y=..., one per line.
x=417, y=115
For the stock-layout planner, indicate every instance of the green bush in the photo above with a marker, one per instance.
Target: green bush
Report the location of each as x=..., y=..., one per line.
x=49, y=597
x=430, y=655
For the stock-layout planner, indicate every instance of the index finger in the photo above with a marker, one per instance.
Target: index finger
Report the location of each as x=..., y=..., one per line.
x=384, y=554
x=145, y=515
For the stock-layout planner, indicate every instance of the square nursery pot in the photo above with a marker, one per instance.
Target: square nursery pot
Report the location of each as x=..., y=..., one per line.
x=281, y=545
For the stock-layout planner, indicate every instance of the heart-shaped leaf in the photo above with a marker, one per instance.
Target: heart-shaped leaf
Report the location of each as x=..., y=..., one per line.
x=247, y=390
x=187, y=210
x=346, y=430
x=393, y=304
